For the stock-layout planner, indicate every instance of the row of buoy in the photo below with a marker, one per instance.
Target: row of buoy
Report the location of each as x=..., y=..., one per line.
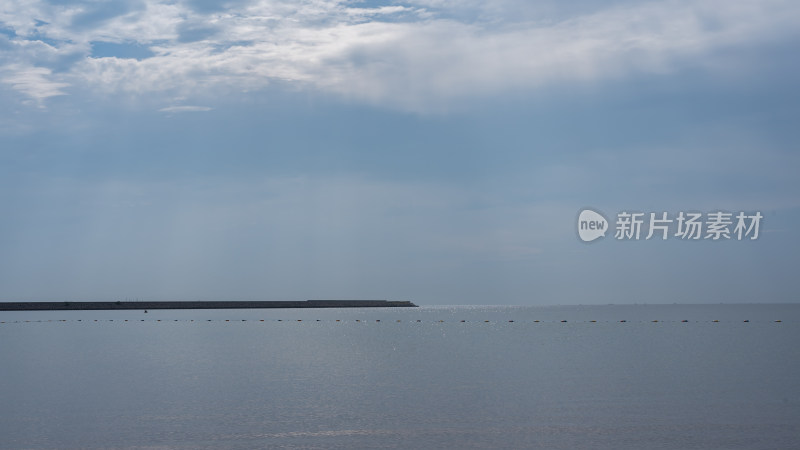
x=337, y=320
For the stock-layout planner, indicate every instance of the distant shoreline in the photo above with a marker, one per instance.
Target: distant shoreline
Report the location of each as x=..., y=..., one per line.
x=85, y=306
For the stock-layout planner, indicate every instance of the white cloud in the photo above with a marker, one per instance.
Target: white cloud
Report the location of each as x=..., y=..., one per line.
x=426, y=58
x=179, y=109
x=35, y=82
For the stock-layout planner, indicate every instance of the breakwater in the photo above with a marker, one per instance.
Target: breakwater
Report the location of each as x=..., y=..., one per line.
x=85, y=306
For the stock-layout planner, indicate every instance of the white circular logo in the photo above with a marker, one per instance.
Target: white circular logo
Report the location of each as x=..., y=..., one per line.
x=591, y=225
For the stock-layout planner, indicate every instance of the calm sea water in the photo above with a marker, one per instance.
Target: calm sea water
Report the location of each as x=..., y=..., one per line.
x=404, y=378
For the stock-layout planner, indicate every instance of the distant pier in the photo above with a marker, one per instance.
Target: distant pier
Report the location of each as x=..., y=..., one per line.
x=85, y=306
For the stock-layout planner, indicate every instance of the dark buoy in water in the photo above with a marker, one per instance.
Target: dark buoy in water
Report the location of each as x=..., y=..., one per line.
x=145, y=311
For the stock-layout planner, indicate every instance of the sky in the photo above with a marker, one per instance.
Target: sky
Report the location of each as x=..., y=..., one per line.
x=438, y=151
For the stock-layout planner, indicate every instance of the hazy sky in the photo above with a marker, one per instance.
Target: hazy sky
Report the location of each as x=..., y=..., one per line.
x=437, y=151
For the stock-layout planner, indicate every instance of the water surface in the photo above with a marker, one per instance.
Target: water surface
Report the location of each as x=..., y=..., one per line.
x=446, y=377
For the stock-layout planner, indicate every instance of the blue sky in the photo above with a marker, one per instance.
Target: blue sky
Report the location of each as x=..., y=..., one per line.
x=436, y=151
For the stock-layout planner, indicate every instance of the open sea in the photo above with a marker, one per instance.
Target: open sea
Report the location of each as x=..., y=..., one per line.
x=562, y=377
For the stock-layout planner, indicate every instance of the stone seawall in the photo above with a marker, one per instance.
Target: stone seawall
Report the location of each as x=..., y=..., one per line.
x=83, y=306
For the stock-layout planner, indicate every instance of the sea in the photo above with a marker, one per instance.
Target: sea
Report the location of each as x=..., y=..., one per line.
x=560, y=377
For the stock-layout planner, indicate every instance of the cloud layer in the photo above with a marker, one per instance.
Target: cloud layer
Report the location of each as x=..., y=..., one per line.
x=417, y=55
